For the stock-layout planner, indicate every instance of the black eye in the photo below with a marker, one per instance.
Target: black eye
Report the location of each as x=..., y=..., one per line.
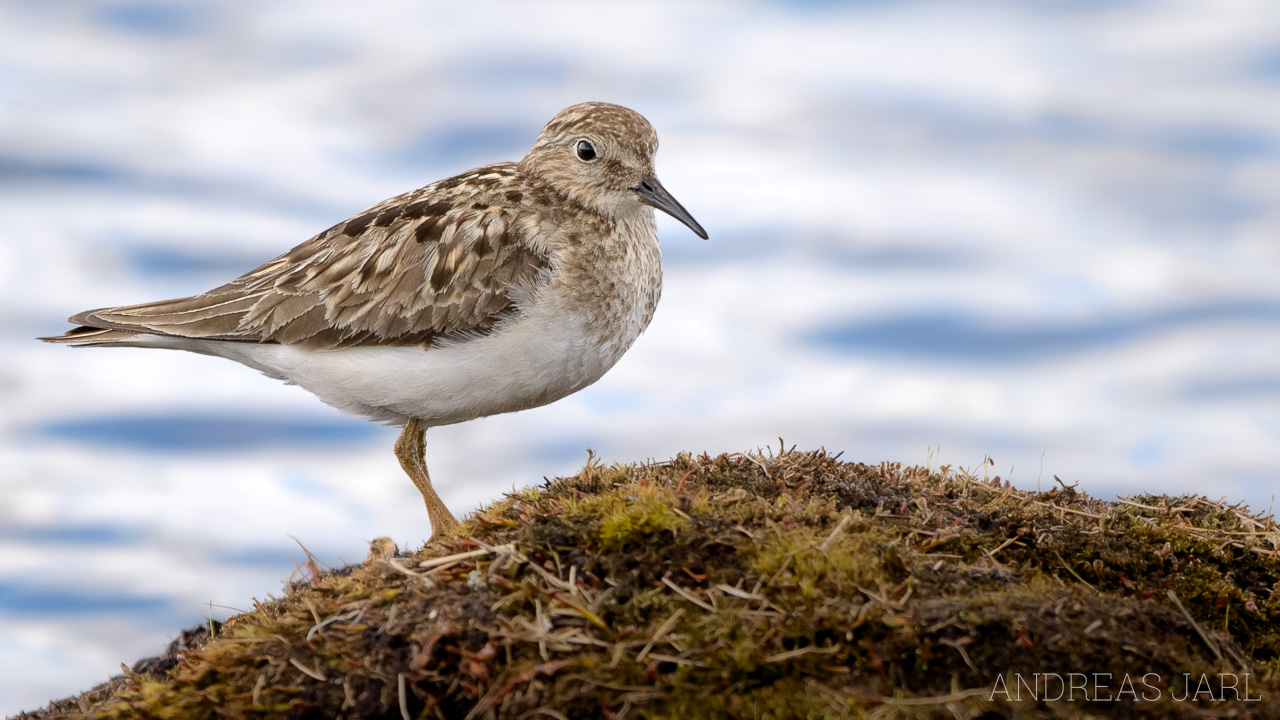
x=586, y=151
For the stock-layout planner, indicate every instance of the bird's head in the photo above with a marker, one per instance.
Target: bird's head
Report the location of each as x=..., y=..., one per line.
x=601, y=156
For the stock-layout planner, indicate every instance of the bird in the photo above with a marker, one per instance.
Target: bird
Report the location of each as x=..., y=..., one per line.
x=500, y=289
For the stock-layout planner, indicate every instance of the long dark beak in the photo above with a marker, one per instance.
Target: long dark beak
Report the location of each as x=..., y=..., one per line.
x=651, y=192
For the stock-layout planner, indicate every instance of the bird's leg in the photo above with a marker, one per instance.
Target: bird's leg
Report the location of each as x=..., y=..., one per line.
x=411, y=449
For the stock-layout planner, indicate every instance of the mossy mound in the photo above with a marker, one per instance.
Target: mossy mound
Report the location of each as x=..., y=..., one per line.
x=763, y=586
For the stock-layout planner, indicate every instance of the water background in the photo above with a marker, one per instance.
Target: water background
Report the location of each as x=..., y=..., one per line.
x=1048, y=233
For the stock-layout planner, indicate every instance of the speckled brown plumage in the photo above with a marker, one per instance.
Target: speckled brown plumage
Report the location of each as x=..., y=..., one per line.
x=439, y=261
x=499, y=289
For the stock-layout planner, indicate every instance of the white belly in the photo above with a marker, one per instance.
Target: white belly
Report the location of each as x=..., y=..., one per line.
x=537, y=359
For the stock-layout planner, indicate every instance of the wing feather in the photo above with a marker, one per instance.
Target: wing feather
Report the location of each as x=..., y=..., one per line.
x=445, y=260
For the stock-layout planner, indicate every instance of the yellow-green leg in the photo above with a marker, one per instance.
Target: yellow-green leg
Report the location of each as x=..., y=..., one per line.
x=411, y=448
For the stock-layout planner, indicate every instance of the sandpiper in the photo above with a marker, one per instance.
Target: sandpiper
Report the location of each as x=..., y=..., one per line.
x=501, y=289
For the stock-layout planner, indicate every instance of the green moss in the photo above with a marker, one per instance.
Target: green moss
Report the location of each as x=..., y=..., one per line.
x=632, y=520
x=811, y=564
x=788, y=586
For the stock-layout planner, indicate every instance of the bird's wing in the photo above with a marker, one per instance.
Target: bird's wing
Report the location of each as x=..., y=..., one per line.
x=444, y=260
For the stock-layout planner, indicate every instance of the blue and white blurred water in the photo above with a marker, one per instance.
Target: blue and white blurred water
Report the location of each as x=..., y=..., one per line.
x=1044, y=232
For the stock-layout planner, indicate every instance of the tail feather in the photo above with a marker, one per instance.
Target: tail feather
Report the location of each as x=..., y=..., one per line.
x=86, y=336
x=211, y=316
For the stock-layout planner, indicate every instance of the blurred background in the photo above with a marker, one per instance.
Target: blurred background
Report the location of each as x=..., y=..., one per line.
x=1047, y=233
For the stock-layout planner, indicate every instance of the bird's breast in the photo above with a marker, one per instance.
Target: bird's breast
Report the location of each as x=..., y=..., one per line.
x=610, y=283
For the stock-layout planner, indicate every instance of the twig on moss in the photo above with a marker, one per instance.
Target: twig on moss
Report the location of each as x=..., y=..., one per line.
x=676, y=659
x=959, y=646
x=741, y=594
x=395, y=565
x=441, y=563
x=662, y=631
x=308, y=671
x=687, y=595
x=577, y=609
x=1208, y=641
x=1074, y=573
x=755, y=462
x=404, y=699
x=354, y=615
x=257, y=689
x=789, y=654
x=844, y=522
x=315, y=614
x=1003, y=545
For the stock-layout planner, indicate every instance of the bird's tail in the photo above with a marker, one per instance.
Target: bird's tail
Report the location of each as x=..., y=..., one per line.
x=87, y=336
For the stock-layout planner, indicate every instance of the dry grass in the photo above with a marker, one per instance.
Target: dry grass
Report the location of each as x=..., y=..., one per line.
x=747, y=585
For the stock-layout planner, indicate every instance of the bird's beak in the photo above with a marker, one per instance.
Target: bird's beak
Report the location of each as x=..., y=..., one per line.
x=652, y=193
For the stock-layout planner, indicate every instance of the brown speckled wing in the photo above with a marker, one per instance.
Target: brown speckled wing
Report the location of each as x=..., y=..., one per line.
x=442, y=261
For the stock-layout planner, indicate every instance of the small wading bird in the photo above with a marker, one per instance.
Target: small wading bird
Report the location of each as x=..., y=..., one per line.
x=500, y=289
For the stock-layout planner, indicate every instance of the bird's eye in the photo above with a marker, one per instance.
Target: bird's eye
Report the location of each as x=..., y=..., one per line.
x=586, y=151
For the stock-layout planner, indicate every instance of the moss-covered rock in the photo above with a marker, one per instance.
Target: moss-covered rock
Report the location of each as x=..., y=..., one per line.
x=762, y=586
